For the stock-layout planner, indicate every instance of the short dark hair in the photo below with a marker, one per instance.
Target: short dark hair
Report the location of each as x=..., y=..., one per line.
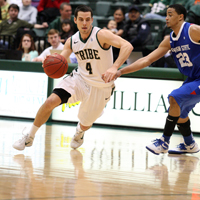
x=179, y=9
x=15, y=6
x=82, y=8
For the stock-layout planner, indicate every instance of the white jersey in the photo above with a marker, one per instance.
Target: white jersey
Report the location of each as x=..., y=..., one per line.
x=93, y=60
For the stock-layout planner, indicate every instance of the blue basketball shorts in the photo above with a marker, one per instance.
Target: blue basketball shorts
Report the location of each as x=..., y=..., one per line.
x=187, y=96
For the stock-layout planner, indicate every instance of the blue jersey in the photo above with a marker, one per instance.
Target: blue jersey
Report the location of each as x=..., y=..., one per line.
x=186, y=52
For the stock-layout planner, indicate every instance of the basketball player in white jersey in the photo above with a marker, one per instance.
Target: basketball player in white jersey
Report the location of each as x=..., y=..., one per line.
x=92, y=47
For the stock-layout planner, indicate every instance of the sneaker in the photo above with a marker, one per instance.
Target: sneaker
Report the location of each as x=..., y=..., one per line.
x=183, y=148
x=77, y=140
x=158, y=146
x=26, y=141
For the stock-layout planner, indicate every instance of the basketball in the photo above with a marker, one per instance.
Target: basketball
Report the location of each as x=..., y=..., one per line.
x=55, y=66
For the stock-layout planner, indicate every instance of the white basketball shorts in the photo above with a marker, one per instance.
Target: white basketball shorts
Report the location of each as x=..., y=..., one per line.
x=93, y=99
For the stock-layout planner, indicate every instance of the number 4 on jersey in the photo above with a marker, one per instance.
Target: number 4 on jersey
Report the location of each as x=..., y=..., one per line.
x=89, y=68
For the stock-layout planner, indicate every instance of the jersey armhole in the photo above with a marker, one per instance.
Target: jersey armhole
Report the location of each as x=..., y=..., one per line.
x=99, y=42
x=71, y=43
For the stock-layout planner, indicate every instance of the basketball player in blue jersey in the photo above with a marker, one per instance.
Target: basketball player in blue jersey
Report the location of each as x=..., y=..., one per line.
x=92, y=47
x=184, y=43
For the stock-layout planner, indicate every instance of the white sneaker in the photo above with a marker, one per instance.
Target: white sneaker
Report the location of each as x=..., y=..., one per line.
x=158, y=146
x=77, y=140
x=26, y=141
x=183, y=148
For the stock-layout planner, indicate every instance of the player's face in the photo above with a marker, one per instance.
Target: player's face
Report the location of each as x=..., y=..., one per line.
x=13, y=13
x=84, y=22
x=54, y=40
x=173, y=18
x=26, y=42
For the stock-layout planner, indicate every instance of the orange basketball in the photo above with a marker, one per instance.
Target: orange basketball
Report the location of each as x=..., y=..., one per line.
x=55, y=66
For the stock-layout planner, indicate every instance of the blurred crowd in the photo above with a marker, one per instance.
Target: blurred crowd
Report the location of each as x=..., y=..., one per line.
x=35, y=27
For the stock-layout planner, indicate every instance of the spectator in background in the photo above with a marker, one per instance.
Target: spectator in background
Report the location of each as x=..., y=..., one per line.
x=119, y=17
x=48, y=10
x=112, y=26
x=137, y=31
x=11, y=25
x=156, y=9
x=67, y=30
x=55, y=41
x=27, y=46
x=4, y=10
x=66, y=13
x=27, y=12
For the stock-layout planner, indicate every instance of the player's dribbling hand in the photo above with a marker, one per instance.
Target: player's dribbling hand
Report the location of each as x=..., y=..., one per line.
x=107, y=77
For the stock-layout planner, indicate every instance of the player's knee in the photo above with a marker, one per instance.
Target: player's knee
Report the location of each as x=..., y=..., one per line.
x=52, y=102
x=172, y=102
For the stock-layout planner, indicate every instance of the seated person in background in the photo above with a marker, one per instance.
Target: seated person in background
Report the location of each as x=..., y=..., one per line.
x=27, y=46
x=27, y=12
x=137, y=31
x=54, y=40
x=10, y=26
x=4, y=10
x=112, y=26
x=156, y=9
x=48, y=10
x=65, y=13
x=119, y=17
x=67, y=30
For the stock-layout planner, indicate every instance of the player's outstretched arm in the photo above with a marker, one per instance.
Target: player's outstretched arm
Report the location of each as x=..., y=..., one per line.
x=141, y=63
x=106, y=38
x=66, y=52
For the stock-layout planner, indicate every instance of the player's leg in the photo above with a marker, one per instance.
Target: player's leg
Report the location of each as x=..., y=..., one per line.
x=189, y=145
x=91, y=108
x=44, y=112
x=78, y=138
x=161, y=145
x=190, y=96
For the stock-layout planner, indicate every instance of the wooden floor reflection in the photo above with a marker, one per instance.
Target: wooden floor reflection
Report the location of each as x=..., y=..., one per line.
x=112, y=164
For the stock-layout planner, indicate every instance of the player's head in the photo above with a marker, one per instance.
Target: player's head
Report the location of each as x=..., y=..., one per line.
x=179, y=9
x=53, y=38
x=82, y=8
x=83, y=17
x=176, y=14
